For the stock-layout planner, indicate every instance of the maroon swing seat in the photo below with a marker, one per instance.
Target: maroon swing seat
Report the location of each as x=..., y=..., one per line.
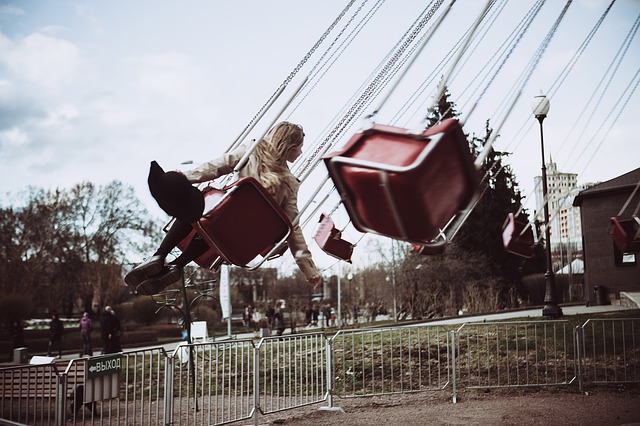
x=240, y=222
x=625, y=233
x=515, y=240
x=430, y=249
x=329, y=240
x=405, y=185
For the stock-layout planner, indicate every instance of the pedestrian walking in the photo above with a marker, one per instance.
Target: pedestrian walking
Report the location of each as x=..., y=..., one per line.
x=85, y=333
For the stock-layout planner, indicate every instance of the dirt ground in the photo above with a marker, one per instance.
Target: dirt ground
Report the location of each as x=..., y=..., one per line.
x=604, y=406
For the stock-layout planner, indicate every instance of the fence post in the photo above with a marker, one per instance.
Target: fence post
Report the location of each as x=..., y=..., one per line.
x=329, y=346
x=329, y=373
x=168, y=390
x=578, y=342
x=61, y=400
x=256, y=383
x=452, y=334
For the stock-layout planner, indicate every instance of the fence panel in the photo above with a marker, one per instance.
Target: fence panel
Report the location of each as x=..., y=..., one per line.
x=505, y=354
x=139, y=382
x=390, y=360
x=291, y=372
x=219, y=388
x=28, y=393
x=610, y=351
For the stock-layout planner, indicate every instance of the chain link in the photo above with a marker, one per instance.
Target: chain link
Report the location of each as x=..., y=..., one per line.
x=300, y=65
x=372, y=88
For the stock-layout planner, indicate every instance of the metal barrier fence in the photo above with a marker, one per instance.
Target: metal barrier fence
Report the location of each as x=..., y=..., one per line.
x=29, y=393
x=390, y=360
x=225, y=382
x=609, y=351
x=506, y=354
x=220, y=388
x=139, y=386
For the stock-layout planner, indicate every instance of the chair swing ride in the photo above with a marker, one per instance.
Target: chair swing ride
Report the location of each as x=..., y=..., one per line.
x=413, y=185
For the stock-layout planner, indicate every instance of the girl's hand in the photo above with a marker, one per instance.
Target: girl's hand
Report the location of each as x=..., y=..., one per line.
x=315, y=281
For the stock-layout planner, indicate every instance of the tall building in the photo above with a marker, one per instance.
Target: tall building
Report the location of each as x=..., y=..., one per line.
x=564, y=217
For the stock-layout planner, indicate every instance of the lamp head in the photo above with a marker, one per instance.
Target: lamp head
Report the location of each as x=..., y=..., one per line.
x=540, y=106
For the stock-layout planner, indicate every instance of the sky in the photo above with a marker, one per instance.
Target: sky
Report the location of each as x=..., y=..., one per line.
x=94, y=91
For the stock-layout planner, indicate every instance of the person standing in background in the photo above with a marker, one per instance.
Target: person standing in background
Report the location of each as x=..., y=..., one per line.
x=111, y=331
x=85, y=332
x=56, y=329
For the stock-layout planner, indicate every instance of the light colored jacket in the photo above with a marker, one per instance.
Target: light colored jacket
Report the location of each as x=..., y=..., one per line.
x=286, y=197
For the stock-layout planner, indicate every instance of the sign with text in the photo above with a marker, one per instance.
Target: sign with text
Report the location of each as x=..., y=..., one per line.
x=102, y=377
x=103, y=366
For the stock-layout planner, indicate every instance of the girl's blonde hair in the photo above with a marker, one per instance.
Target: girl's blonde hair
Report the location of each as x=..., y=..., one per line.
x=272, y=153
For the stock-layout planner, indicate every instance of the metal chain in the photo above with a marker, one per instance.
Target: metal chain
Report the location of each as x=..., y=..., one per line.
x=300, y=64
x=357, y=106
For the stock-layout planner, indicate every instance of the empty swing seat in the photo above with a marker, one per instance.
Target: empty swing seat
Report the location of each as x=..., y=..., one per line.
x=516, y=239
x=405, y=185
x=240, y=223
x=329, y=240
x=430, y=249
x=625, y=233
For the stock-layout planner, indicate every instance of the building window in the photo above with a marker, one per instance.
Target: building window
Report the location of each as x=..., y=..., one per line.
x=623, y=259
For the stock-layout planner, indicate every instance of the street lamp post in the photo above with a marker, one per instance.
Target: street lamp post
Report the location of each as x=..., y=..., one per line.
x=551, y=309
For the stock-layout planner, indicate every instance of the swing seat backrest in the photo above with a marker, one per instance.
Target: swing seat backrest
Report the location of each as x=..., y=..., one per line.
x=405, y=185
x=515, y=240
x=242, y=222
x=328, y=239
x=625, y=233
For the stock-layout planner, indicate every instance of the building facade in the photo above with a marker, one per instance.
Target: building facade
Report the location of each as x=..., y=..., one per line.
x=604, y=265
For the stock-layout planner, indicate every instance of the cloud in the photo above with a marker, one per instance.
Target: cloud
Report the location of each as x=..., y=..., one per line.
x=171, y=75
x=41, y=60
x=13, y=137
x=10, y=10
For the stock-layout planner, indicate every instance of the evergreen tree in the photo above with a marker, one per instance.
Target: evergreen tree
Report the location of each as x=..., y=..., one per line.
x=478, y=242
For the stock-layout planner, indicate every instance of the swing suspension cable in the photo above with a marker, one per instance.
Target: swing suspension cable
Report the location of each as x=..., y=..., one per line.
x=500, y=57
x=344, y=122
x=528, y=124
x=288, y=79
x=629, y=91
x=505, y=107
x=423, y=43
x=523, y=82
x=614, y=68
x=633, y=194
x=323, y=65
x=407, y=56
x=443, y=82
x=556, y=85
x=421, y=89
x=296, y=168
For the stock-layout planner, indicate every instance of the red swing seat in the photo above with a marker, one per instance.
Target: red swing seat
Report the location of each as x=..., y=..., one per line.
x=515, y=240
x=625, y=233
x=240, y=223
x=405, y=185
x=329, y=240
x=430, y=249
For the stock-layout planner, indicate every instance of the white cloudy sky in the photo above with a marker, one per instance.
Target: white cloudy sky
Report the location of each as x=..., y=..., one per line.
x=96, y=90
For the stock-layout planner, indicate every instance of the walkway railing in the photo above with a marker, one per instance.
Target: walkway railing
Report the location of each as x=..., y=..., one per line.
x=225, y=382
